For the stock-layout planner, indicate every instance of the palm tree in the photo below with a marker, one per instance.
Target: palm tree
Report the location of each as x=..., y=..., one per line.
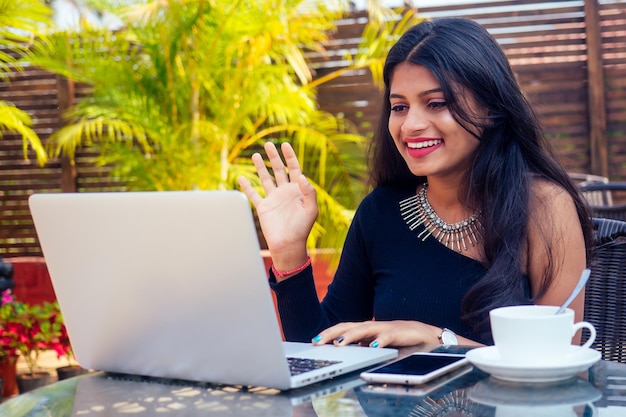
x=20, y=21
x=189, y=89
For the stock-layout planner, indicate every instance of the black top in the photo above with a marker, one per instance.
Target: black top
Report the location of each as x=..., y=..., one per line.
x=387, y=273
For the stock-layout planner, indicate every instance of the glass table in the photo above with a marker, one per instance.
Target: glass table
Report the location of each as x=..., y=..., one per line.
x=599, y=391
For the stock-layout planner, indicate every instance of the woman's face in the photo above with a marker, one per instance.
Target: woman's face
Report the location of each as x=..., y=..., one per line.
x=431, y=142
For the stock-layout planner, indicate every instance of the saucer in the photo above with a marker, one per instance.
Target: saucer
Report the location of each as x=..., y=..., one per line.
x=488, y=359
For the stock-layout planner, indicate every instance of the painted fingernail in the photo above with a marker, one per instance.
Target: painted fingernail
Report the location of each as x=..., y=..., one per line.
x=339, y=339
x=374, y=344
x=317, y=338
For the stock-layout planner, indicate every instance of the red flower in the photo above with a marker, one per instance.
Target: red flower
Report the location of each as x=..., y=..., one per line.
x=26, y=330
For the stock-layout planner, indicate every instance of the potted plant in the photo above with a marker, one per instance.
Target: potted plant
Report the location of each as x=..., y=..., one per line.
x=153, y=139
x=8, y=354
x=26, y=330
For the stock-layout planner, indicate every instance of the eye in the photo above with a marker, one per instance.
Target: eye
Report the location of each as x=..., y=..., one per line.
x=397, y=108
x=436, y=105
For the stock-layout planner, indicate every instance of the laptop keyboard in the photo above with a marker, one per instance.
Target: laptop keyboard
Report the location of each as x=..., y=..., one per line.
x=300, y=365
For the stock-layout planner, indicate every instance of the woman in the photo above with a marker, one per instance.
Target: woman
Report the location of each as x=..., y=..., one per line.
x=469, y=209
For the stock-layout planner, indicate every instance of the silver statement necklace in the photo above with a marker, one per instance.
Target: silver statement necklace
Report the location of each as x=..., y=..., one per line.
x=416, y=210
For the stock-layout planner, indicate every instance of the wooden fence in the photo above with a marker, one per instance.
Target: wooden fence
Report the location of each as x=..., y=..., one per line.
x=570, y=58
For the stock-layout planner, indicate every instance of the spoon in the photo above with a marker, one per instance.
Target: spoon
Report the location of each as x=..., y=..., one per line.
x=582, y=281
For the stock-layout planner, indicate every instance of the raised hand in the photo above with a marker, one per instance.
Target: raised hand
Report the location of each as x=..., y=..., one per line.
x=288, y=210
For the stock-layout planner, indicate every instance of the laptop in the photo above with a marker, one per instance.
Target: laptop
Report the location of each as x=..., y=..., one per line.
x=172, y=284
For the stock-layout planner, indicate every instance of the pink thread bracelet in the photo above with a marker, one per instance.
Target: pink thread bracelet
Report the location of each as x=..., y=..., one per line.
x=284, y=274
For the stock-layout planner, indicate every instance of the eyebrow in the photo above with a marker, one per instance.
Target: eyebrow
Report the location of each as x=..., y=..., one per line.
x=422, y=94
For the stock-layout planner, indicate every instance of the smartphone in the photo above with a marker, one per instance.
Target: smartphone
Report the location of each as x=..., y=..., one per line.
x=418, y=390
x=417, y=368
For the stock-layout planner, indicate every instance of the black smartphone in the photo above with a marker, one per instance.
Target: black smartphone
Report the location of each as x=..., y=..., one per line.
x=417, y=368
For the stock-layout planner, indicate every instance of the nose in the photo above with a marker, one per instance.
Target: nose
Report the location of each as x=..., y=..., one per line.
x=414, y=122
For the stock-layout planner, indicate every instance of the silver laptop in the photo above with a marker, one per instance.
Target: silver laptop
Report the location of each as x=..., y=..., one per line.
x=172, y=284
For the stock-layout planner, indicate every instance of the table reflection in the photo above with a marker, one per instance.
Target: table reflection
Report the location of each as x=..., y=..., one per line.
x=101, y=395
x=573, y=397
x=599, y=392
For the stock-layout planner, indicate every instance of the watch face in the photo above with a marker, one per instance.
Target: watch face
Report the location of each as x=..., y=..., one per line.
x=449, y=338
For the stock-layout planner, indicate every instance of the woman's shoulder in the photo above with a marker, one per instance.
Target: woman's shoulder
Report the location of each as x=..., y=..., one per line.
x=551, y=206
x=545, y=193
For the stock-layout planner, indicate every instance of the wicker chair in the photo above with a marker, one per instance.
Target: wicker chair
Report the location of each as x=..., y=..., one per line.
x=598, y=198
x=605, y=294
x=604, y=200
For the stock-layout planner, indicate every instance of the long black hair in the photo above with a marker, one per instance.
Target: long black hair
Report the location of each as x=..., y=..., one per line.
x=463, y=56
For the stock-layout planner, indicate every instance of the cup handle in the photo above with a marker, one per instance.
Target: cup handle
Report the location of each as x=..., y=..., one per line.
x=588, y=326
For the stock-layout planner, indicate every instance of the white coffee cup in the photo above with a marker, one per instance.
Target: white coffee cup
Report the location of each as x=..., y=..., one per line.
x=535, y=335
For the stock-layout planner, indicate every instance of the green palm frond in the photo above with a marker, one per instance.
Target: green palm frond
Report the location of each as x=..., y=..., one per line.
x=382, y=31
x=187, y=90
x=14, y=119
x=86, y=55
x=377, y=39
x=89, y=131
x=20, y=21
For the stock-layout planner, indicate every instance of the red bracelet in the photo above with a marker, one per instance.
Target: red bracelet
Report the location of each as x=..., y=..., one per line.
x=284, y=274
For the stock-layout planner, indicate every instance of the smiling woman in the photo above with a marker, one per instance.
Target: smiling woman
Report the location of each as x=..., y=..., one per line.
x=469, y=209
x=421, y=124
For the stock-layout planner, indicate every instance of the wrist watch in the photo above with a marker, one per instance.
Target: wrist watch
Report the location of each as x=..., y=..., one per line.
x=448, y=337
